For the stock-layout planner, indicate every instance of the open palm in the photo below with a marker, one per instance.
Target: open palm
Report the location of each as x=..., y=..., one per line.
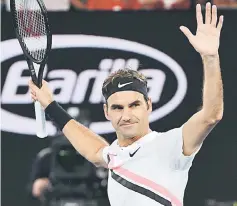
x=207, y=38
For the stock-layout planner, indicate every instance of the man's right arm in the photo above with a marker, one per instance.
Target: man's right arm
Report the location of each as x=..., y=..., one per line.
x=86, y=142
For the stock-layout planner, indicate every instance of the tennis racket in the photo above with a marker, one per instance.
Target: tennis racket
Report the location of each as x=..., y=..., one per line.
x=30, y=21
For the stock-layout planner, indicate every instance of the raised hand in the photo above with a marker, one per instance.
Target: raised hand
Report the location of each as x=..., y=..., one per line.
x=43, y=95
x=207, y=38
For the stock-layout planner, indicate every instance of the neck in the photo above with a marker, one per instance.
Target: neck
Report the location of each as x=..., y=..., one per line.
x=124, y=142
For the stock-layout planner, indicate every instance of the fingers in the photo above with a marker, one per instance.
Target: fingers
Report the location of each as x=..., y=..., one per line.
x=33, y=97
x=220, y=24
x=33, y=90
x=186, y=32
x=199, y=14
x=208, y=13
x=210, y=16
x=44, y=82
x=214, y=15
x=32, y=85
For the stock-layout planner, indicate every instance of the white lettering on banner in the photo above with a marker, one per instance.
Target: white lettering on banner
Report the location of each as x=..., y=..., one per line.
x=114, y=65
x=73, y=88
x=13, y=80
x=82, y=85
x=64, y=80
x=155, y=83
x=96, y=93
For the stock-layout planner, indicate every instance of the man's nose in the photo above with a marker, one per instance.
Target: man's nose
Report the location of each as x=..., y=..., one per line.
x=126, y=116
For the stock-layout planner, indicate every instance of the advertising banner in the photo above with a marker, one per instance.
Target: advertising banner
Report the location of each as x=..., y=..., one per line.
x=87, y=47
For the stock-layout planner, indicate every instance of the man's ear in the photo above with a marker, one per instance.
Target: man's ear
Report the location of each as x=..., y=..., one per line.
x=106, y=111
x=149, y=105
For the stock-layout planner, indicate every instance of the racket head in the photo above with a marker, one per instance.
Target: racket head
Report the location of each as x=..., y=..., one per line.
x=32, y=28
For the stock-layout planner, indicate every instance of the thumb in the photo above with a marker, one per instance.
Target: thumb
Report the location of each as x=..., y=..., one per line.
x=33, y=86
x=44, y=82
x=186, y=32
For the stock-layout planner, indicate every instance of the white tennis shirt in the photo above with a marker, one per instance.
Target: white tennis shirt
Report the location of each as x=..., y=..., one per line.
x=152, y=171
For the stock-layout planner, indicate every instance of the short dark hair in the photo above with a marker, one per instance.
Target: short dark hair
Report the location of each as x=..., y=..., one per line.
x=124, y=73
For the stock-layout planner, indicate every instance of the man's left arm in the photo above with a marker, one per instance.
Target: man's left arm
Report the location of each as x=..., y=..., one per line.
x=206, y=42
x=196, y=129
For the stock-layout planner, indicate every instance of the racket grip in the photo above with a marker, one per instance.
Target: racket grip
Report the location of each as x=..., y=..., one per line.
x=40, y=120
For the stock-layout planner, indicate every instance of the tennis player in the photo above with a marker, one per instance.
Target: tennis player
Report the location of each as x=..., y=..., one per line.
x=147, y=167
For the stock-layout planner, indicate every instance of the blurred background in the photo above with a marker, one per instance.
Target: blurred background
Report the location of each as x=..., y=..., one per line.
x=92, y=38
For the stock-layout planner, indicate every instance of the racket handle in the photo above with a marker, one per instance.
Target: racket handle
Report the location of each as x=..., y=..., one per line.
x=40, y=120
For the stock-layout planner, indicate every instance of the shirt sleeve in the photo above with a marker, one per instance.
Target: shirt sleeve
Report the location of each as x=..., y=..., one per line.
x=105, y=154
x=178, y=160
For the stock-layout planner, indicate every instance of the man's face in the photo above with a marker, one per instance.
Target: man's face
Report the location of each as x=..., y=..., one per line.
x=128, y=112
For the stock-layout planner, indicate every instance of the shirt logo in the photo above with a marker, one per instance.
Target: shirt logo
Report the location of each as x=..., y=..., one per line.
x=132, y=154
x=122, y=85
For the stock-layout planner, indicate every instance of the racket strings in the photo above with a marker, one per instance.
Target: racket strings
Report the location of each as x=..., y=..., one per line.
x=32, y=29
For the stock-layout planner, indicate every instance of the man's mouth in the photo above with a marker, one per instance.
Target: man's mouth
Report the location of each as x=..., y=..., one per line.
x=127, y=124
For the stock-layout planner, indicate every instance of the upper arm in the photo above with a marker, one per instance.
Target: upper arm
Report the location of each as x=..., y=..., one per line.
x=101, y=158
x=85, y=141
x=195, y=130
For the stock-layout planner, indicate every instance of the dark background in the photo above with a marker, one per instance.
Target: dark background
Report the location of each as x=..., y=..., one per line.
x=214, y=172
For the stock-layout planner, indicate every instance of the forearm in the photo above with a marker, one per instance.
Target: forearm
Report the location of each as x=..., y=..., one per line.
x=212, y=89
x=86, y=142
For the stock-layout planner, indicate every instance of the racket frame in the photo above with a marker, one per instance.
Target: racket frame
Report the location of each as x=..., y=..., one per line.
x=37, y=79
